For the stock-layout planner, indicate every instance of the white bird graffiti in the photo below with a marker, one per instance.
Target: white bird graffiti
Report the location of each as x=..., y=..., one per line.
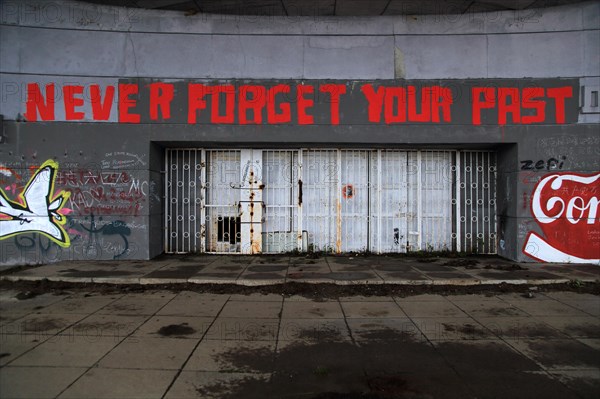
x=37, y=211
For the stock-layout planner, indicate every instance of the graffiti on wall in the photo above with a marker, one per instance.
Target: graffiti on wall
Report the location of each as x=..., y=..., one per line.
x=103, y=192
x=111, y=187
x=37, y=209
x=544, y=164
x=565, y=207
x=93, y=245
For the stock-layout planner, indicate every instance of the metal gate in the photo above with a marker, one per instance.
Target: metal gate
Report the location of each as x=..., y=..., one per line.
x=184, y=227
x=330, y=200
x=280, y=194
x=476, y=199
x=222, y=205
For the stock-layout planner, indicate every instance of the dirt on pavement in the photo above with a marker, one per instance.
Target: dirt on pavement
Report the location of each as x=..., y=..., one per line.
x=29, y=289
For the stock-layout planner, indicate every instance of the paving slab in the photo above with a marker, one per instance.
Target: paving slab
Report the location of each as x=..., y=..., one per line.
x=68, y=352
x=218, y=355
x=42, y=324
x=188, y=303
x=362, y=298
x=574, y=326
x=558, y=354
x=591, y=342
x=212, y=385
x=112, y=326
x=487, y=366
x=243, y=329
x=258, y=309
x=381, y=329
x=79, y=304
x=10, y=304
x=543, y=307
x=36, y=382
x=442, y=308
x=13, y=346
x=136, y=305
x=371, y=309
x=175, y=326
x=294, y=331
x=256, y=297
x=103, y=383
x=488, y=307
x=311, y=310
x=519, y=327
x=585, y=383
x=149, y=353
x=454, y=328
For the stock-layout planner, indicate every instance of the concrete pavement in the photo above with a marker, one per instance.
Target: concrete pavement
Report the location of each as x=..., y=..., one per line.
x=165, y=344
x=126, y=339
x=342, y=270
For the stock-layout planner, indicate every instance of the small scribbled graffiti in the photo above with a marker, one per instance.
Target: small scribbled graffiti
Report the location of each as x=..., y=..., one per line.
x=548, y=164
x=37, y=209
x=565, y=206
x=117, y=227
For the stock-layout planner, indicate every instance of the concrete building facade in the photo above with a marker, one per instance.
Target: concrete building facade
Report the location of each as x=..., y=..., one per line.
x=127, y=133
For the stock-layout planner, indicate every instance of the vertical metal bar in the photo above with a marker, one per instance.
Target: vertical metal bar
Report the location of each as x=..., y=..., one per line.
x=338, y=197
x=448, y=190
x=411, y=201
x=190, y=202
x=300, y=222
x=495, y=179
x=177, y=201
x=470, y=219
x=487, y=206
x=167, y=200
x=419, y=204
x=185, y=205
x=423, y=181
x=458, y=201
x=476, y=203
x=202, y=181
x=379, y=209
x=193, y=204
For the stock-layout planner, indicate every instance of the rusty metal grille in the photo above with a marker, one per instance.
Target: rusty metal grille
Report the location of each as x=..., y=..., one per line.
x=223, y=186
x=330, y=200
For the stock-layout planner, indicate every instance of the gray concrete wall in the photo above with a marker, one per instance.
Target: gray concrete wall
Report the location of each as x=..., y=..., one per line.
x=65, y=42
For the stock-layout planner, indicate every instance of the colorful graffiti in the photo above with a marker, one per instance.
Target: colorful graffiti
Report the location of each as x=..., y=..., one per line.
x=565, y=206
x=37, y=209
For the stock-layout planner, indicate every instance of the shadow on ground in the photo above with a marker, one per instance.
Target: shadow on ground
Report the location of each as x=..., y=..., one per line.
x=386, y=364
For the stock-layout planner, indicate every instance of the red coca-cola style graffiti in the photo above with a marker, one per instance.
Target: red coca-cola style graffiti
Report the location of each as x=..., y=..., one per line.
x=565, y=206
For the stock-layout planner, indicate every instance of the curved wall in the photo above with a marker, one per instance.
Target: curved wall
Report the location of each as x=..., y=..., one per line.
x=72, y=43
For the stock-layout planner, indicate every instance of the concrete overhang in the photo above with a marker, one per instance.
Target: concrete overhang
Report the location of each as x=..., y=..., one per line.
x=335, y=7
